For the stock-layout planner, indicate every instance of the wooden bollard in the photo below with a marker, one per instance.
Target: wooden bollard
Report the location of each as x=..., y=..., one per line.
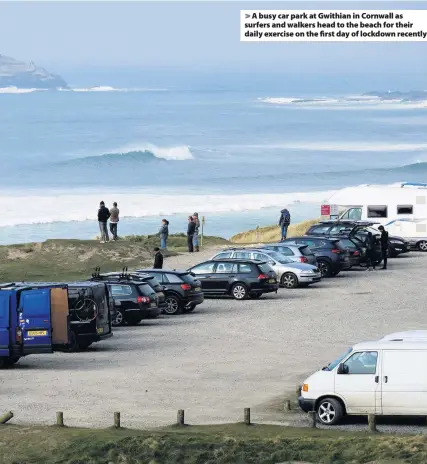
x=287, y=405
x=6, y=417
x=180, y=417
x=247, y=416
x=313, y=420
x=60, y=419
x=117, y=420
x=372, y=423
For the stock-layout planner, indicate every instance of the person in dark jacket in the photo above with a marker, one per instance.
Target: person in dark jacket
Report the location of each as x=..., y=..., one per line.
x=158, y=259
x=191, y=229
x=370, y=251
x=103, y=216
x=164, y=234
x=196, y=232
x=284, y=221
x=384, y=245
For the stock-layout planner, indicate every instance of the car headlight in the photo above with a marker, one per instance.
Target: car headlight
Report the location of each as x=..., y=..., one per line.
x=396, y=242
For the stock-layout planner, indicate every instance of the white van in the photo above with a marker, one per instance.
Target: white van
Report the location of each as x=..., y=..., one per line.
x=407, y=335
x=383, y=377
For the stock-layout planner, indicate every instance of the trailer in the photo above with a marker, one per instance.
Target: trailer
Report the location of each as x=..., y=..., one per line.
x=32, y=321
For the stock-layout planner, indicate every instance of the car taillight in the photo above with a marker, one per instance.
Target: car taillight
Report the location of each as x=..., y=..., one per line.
x=356, y=253
x=303, y=259
x=143, y=299
x=18, y=335
x=186, y=286
x=263, y=276
x=335, y=250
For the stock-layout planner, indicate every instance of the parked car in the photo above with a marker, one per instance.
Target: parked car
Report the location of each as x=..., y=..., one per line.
x=297, y=253
x=182, y=291
x=134, y=298
x=383, y=377
x=331, y=257
x=397, y=245
x=357, y=249
x=239, y=278
x=289, y=273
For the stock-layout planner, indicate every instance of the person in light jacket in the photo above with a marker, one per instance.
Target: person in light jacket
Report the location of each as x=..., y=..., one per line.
x=196, y=232
x=114, y=220
x=164, y=234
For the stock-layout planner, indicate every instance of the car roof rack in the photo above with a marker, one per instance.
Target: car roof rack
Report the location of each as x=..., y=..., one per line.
x=124, y=275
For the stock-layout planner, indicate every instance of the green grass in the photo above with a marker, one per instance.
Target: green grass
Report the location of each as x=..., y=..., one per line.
x=67, y=260
x=234, y=443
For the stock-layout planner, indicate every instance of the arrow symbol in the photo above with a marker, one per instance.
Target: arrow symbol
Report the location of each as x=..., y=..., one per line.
x=246, y=15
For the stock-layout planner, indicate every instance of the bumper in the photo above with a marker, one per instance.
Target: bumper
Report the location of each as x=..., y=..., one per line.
x=194, y=299
x=309, y=279
x=305, y=404
x=149, y=313
x=270, y=288
x=93, y=337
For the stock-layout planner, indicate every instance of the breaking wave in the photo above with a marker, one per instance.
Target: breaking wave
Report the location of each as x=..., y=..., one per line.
x=106, y=88
x=16, y=90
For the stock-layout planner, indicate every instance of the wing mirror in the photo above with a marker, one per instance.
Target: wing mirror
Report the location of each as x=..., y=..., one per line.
x=342, y=369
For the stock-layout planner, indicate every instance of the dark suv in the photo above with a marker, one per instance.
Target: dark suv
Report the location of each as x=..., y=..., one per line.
x=240, y=278
x=134, y=298
x=331, y=257
x=182, y=291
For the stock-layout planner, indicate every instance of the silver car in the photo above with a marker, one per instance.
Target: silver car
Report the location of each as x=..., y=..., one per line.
x=289, y=273
x=297, y=253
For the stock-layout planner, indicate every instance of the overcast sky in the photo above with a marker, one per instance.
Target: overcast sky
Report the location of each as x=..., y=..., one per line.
x=64, y=35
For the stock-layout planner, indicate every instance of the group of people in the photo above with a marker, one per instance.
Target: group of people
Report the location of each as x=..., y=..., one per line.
x=193, y=230
x=105, y=214
x=371, y=249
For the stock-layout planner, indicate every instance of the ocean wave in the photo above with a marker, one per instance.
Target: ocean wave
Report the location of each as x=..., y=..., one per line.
x=49, y=208
x=106, y=88
x=16, y=90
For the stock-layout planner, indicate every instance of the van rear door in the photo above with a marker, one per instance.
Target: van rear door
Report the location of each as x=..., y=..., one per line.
x=4, y=323
x=35, y=320
x=404, y=382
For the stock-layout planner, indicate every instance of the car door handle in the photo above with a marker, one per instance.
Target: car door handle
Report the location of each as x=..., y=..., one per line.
x=232, y=276
x=208, y=277
x=385, y=379
x=377, y=378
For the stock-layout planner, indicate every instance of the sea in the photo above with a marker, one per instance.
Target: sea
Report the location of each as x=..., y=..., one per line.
x=236, y=148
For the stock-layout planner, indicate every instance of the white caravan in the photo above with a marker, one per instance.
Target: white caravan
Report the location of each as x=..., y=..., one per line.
x=383, y=377
x=382, y=203
x=413, y=230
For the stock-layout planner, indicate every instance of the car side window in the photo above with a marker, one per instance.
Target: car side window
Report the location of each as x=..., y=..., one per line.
x=364, y=362
x=337, y=229
x=226, y=268
x=285, y=251
x=121, y=290
x=242, y=255
x=260, y=256
x=319, y=230
x=245, y=268
x=172, y=279
x=205, y=268
x=223, y=255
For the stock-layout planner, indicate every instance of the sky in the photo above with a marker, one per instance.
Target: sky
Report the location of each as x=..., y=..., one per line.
x=191, y=35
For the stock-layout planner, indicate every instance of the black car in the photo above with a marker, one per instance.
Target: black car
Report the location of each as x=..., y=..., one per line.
x=134, y=298
x=182, y=291
x=239, y=278
x=331, y=257
x=357, y=249
x=397, y=245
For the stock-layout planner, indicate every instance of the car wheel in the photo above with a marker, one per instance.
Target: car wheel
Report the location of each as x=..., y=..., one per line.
x=255, y=296
x=173, y=305
x=8, y=362
x=422, y=246
x=119, y=318
x=289, y=280
x=325, y=268
x=190, y=308
x=133, y=319
x=84, y=345
x=239, y=292
x=329, y=411
x=73, y=346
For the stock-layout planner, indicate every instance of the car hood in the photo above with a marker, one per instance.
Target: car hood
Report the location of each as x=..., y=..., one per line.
x=297, y=266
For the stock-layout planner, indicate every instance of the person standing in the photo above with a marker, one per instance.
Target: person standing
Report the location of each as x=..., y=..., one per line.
x=370, y=251
x=384, y=245
x=114, y=220
x=164, y=234
x=196, y=232
x=190, y=233
x=158, y=259
x=103, y=216
x=284, y=221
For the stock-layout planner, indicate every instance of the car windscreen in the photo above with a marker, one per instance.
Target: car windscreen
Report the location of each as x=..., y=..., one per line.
x=278, y=257
x=331, y=366
x=265, y=268
x=346, y=243
x=146, y=289
x=187, y=278
x=305, y=251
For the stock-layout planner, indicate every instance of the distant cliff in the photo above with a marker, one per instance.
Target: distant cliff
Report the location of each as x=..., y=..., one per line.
x=414, y=95
x=27, y=75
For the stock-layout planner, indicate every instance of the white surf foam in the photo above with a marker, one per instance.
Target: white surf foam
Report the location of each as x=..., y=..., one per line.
x=81, y=206
x=16, y=90
x=106, y=88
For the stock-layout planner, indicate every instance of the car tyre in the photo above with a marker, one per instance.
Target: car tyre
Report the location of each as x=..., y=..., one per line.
x=289, y=280
x=422, y=245
x=173, y=305
x=255, y=296
x=119, y=318
x=190, y=308
x=329, y=411
x=74, y=345
x=325, y=268
x=239, y=291
x=133, y=319
x=84, y=345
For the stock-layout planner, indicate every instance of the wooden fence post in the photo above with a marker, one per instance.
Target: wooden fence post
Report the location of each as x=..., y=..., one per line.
x=372, y=423
x=287, y=405
x=313, y=420
x=180, y=417
x=117, y=420
x=247, y=416
x=6, y=417
x=60, y=419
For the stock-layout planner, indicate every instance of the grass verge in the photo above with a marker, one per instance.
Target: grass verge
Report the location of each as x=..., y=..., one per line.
x=233, y=443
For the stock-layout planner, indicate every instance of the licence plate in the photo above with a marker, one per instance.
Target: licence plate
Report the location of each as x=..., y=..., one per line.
x=37, y=333
x=152, y=305
x=100, y=330
x=272, y=281
x=197, y=289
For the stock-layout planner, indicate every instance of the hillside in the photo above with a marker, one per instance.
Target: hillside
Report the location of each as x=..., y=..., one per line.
x=272, y=233
x=14, y=73
x=65, y=260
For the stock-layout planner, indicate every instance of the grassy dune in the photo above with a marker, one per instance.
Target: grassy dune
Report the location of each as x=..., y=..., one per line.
x=272, y=233
x=220, y=444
